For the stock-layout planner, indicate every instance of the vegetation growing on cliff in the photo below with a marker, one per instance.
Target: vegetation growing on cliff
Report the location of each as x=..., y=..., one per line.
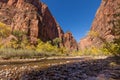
x=114, y=46
x=108, y=48
x=18, y=46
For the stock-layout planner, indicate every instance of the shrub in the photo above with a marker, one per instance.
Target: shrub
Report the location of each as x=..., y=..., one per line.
x=4, y=30
x=111, y=49
x=8, y=53
x=56, y=42
x=49, y=48
x=93, y=33
x=18, y=33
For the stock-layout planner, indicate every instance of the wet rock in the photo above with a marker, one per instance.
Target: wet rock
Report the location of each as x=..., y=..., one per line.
x=82, y=70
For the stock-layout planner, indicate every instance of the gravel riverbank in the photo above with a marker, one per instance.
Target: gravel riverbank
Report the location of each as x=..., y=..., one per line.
x=68, y=69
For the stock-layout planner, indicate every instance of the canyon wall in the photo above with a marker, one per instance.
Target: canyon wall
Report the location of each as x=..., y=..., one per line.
x=102, y=25
x=34, y=18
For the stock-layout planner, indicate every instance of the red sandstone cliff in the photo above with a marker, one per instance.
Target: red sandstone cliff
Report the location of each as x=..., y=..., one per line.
x=33, y=17
x=102, y=24
x=69, y=41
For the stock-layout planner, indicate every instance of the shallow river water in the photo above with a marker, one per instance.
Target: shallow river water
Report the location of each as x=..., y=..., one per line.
x=82, y=68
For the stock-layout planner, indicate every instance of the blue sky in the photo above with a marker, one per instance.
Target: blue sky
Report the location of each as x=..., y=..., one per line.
x=75, y=16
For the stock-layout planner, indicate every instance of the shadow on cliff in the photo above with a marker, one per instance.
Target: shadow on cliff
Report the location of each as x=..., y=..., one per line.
x=77, y=71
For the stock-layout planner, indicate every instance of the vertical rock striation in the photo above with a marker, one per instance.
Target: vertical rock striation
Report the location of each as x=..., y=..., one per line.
x=33, y=17
x=69, y=41
x=102, y=24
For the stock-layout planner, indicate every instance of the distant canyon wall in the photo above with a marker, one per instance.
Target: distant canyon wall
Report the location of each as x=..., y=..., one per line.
x=34, y=17
x=102, y=24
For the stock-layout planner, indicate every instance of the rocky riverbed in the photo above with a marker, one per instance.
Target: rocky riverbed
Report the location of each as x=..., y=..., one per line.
x=63, y=69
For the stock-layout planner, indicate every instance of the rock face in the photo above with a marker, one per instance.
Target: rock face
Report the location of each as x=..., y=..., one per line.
x=102, y=24
x=69, y=41
x=33, y=17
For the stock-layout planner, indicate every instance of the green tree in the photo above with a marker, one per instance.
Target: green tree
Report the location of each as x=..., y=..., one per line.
x=19, y=34
x=56, y=42
x=22, y=41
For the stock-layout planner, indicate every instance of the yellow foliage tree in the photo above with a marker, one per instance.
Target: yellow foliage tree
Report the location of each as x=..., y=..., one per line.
x=4, y=30
x=93, y=33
